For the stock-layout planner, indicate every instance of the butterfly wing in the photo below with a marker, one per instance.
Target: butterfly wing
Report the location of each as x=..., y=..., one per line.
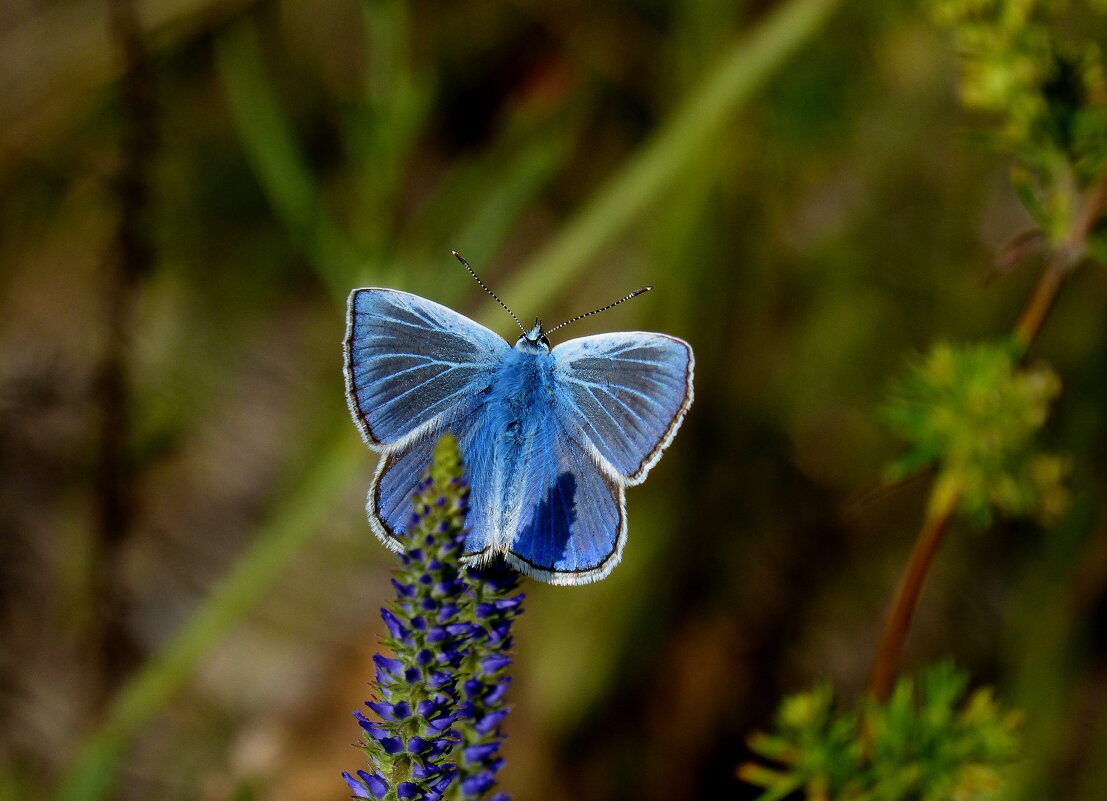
x=414, y=369
x=412, y=364
x=623, y=396
x=564, y=516
x=399, y=472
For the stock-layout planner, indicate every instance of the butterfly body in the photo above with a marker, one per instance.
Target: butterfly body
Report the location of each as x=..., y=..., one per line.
x=549, y=437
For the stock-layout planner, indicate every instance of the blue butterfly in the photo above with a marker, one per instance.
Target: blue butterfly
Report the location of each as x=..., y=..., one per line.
x=550, y=438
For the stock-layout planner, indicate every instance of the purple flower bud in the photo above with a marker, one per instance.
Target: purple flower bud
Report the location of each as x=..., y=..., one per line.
x=478, y=753
x=375, y=782
x=356, y=787
x=386, y=666
x=441, y=724
x=381, y=708
x=472, y=688
x=447, y=611
x=395, y=627
x=490, y=721
x=439, y=679
x=431, y=706
x=407, y=790
x=374, y=730
x=477, y=784
x=403, y=590
x=391, y=745
x=495, y=662
x=442, y=783
x=402, y=710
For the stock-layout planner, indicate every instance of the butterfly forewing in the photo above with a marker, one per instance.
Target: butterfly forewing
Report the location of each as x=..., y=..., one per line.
x=411, y=363
x=625, y=395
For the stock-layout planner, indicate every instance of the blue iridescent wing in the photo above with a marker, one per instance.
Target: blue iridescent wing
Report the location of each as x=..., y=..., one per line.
x=399, y=471
x=413, y=369
x=564, y=519
x=623, y=397
x=410, y=362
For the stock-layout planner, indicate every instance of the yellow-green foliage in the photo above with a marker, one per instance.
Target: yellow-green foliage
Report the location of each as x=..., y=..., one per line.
x=926, y=743
x=1047, y=91
x=972, y=410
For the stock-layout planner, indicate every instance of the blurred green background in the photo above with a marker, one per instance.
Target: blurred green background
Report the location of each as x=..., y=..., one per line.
x=189, y=589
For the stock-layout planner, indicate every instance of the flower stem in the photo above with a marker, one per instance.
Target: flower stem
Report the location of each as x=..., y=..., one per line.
x=946, y=491
x=943, y=503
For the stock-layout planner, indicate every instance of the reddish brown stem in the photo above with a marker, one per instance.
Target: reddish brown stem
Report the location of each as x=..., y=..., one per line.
x=943, y=503
x=946, y=493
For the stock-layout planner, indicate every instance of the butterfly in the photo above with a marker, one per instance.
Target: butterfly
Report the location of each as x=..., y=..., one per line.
x=549, y=437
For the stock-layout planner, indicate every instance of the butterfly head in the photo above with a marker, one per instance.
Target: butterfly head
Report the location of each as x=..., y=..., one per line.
x=534, y=339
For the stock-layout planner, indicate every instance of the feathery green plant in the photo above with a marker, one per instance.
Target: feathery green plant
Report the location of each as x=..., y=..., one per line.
x=930, y=741
x=973, y=412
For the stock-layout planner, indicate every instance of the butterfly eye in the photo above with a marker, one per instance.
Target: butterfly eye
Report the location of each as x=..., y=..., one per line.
x=544, y=340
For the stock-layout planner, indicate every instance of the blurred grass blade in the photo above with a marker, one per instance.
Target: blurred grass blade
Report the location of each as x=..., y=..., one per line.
x=744, y=68
x=695, y=124
x=381, y=133
x=499, y=210
x=271, y=148
x=291, y=525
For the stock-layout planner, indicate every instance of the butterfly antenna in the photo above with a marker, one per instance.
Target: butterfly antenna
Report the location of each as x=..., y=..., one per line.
x=489, y=291
x=633, y=294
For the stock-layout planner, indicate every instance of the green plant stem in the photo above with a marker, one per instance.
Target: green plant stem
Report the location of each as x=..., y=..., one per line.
x=745, y=67
x=946, y=492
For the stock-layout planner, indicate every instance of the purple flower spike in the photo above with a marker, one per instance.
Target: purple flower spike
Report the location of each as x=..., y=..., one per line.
x=440, y=693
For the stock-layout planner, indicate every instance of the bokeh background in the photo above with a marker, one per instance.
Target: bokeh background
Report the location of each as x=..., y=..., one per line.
x=189, y=189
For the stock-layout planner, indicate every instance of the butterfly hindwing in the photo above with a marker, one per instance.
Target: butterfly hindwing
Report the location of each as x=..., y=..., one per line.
x=390, y=494
x=564, y=515
x=411, y=363
x=624, y=395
